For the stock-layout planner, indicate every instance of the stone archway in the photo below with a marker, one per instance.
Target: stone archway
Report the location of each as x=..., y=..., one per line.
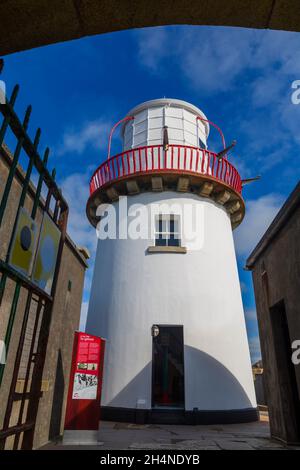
x=25, y=24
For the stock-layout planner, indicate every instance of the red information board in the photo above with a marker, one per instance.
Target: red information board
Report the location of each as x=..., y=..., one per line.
x=84, y=395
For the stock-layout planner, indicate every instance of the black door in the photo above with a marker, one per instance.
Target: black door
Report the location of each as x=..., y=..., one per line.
x=286, y=371
x=168, y=367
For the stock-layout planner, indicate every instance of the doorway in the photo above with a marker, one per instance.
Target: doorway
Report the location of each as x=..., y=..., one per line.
x=286, y=369
x=168, y=367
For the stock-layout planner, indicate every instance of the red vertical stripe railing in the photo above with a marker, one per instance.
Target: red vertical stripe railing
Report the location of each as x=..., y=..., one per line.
x=208, y=157
x=118, y=166
x=123, y=169
x=128, y=164
x=202, y=162
x=159, y=152
x=197, y=160
x=213, y=165
x=140, y=160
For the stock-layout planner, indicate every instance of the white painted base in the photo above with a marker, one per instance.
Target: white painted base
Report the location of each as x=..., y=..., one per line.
x=81, y=437
x=199, y=290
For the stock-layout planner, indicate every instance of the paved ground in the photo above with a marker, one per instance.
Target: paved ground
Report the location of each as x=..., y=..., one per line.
x=249, y=436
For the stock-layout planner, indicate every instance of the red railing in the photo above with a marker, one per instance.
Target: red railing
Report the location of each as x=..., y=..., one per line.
x=154, y=159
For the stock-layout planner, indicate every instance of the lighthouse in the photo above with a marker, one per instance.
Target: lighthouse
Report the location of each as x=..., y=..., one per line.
x=165, y=292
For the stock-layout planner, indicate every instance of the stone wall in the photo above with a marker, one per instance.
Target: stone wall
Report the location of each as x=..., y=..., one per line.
x=65, y=320
x=276, y=275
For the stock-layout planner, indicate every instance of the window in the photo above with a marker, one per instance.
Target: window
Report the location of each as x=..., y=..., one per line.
x=167, y=230
x=202, y=144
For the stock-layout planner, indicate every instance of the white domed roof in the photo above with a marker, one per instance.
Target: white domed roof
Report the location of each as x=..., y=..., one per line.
x=173, y=102
x=153, y=117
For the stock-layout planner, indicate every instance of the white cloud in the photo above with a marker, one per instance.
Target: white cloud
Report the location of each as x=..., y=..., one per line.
x=259, y=214
x=290, y=116
x=250, y=315
x=244, y=169
x=259, y=65
x=255, y=351
x=75, y=189
x=83, y=316
x=267, y=90
x=209, y=58
x=244, y=287
x=92, y=134
x=278, y=49
x=153, y=47
x=213, y=58
x=275, y=157
x=252, y=331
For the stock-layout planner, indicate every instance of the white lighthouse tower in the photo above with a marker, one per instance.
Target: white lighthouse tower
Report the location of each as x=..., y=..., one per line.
x=166, y=296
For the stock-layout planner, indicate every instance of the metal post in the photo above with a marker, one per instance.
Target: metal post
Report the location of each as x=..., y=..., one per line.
x=10, y=324
x=17, y=362
x=39, y=186
x=13, y=166
x=24, y=189
x=6, y=120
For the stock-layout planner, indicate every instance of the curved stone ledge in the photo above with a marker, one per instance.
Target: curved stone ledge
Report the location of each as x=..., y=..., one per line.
x=201, y=185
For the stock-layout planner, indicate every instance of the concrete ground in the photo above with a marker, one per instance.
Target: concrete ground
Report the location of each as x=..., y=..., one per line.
x=248, y=436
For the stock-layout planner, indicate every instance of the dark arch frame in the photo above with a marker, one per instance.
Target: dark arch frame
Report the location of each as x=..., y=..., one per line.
x=25, y=24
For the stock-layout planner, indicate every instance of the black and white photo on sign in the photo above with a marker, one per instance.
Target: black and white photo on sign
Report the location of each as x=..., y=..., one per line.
x=85, y=386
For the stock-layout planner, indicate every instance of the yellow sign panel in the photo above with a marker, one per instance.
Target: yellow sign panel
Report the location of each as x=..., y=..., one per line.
x=24, y=243
x=46, y=257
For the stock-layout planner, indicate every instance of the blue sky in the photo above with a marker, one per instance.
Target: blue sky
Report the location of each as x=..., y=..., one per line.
x=240, y=78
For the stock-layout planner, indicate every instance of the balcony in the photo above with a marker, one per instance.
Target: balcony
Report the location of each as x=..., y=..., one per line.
x=181, y=167
x=154, y=159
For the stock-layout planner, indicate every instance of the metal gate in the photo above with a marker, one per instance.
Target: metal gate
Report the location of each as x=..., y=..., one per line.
x=23, y=398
